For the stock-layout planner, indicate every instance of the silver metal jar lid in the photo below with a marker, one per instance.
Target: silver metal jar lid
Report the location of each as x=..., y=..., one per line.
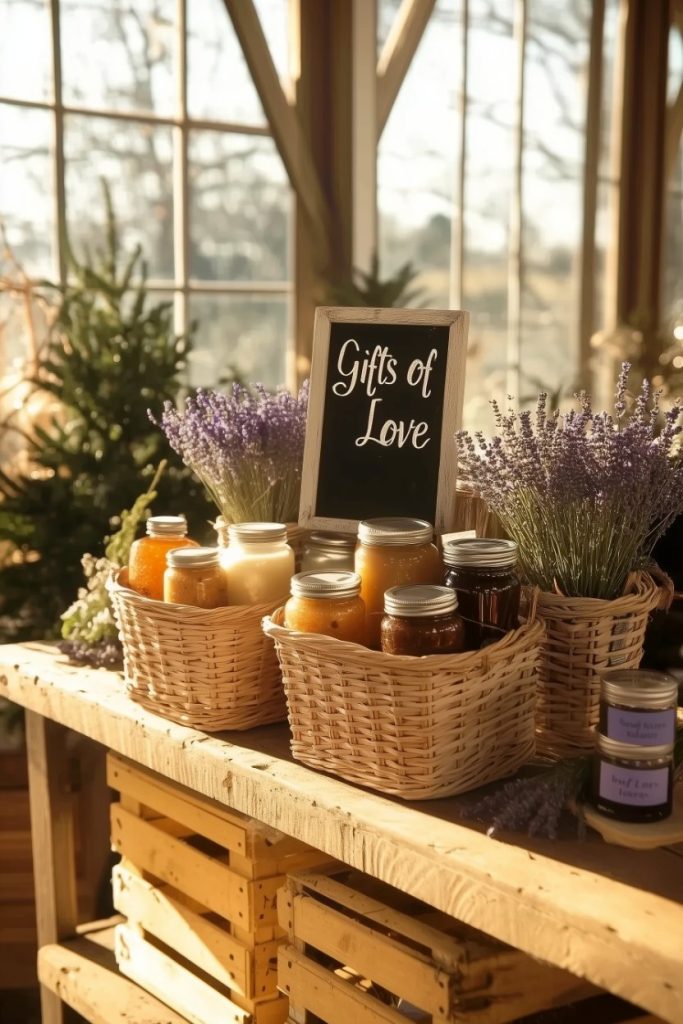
x=337, y=541
x=419, y=601
x=192, y=558
x=166, y=526
x=639, y=688
x=480, y=553
x=631, y=752
x=395, y=531
x=314, y=583
x=257, y=533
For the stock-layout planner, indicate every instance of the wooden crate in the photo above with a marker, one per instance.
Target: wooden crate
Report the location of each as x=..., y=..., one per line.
x=359, y=951
x=197, y=884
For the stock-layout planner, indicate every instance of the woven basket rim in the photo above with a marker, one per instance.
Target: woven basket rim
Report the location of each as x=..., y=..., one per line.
x=641, y=587
x=188, y=611
x=528, y=632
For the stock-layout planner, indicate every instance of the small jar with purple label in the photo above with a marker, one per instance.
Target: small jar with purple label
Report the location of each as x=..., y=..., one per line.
x=632, y=783
x=638, y=707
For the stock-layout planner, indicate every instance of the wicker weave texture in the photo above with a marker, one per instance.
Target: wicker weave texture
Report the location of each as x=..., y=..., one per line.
x=417, y=728
x=584, y=638
x=208, y=668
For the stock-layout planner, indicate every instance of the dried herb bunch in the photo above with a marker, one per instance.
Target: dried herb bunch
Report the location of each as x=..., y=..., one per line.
x=585, y=494
x=246, y=447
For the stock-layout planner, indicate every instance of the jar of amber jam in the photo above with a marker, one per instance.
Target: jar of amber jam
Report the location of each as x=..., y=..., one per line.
x=147, y=561
x=482, y=574
x=632, y=783
x=638, y=707
x=393, y=552
x=194, y=576
x=328, y=603
x=421, y=620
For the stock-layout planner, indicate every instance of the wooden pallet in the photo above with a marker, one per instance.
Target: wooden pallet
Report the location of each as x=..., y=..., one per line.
x=197, y=884
x=361, y=951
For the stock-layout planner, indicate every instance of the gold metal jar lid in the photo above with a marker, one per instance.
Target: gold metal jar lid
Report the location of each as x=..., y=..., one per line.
x=480, y=553
x=326, y=585
x=192, y=558
x=395, y=531
x=419, y=601
x=257, y=533
x=639, y=688
x=166, y=526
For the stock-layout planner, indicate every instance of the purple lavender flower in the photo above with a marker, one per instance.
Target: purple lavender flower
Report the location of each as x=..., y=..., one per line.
x=246, y=447
x=586, y=495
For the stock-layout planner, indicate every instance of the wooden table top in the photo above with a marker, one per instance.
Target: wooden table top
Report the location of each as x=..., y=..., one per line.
x=611, y=915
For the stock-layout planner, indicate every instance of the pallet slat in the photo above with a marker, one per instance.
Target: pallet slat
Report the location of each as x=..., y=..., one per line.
x=347, y=927
x=163, y=914
x=182, y=990
x=249, y=903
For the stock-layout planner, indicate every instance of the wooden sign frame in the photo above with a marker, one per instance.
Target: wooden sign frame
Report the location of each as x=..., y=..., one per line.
x=325, y=316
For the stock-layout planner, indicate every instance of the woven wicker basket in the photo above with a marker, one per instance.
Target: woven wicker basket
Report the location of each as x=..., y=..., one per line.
x=208, y=668
x=411, y=727
x=586, y=636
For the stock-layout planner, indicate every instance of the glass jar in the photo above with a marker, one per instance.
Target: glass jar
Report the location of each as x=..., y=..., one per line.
x=328, y=603
x=329, y=552
x=482, y=574
x=258, y=563
x=147, y=560
x=392, y=552
x=421, y=620
x=194, y=576
x=632, y=783
x=638, y=707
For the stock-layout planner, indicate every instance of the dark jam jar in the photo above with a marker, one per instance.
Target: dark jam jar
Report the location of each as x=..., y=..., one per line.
x=638, y=707
x=421, y=620
x=632, y=783
x=482, y=574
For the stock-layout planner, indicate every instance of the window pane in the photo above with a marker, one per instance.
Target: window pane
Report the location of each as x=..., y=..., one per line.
x=239, y=209
x=219, y=85
x=26, y=187
x=117, y=54
x=26, y=75
x=555, y=111
x=415, y=208
x=672, y=263
x=136, y=161
x=245, y=336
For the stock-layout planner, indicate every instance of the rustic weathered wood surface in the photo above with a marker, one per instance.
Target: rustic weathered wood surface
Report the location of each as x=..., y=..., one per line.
x=610, y=915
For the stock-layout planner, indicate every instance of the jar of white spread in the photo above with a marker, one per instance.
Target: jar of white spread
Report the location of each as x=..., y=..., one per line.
x=258, y=563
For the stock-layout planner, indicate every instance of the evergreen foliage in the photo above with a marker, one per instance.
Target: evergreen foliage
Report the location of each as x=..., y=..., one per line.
x=369, y=289
x=108, y=357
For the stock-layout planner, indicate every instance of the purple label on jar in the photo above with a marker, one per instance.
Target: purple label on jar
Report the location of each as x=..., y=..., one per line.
x=638, y=787
x=642, y=728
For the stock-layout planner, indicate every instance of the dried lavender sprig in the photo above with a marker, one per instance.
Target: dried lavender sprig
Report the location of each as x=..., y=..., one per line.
x=246, y=448
x=535, y=804
x=586, y=495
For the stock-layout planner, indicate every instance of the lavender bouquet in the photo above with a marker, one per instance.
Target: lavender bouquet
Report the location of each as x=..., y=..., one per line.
x=585, y=495
x=246, y=447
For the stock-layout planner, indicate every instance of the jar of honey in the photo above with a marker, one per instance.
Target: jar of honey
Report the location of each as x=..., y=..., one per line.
x=422, y=620
x=392, y=552
x=147, y=561
x=328, y=603
x=194, y=576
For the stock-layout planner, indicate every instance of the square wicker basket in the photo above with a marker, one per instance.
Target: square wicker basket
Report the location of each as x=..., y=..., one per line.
x=417, y=728
x=208, y=668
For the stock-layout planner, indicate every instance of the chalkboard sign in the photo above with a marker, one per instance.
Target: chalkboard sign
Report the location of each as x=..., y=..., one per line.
x=385, y=402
